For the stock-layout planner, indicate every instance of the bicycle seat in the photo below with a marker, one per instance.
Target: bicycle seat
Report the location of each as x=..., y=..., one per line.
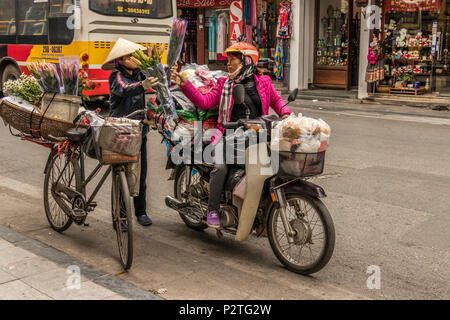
x=77, y=134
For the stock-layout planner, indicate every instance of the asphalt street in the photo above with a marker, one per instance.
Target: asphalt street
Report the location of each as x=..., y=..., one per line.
x=388, y=183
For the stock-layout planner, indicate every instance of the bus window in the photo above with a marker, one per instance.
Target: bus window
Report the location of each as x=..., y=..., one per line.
x=157, y=9
x=7, y=22
x=32, y=18
x=61, y=29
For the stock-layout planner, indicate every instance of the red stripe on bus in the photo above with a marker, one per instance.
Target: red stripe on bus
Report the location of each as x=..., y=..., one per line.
x=19, y=53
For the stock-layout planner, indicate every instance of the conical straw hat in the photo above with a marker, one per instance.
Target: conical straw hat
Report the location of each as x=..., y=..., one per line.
x=121, y=48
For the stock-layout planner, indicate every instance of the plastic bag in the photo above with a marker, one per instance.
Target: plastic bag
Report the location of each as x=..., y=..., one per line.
x=183, y=131
x=200, y=76
x=188, y=73
x=182, y=101
x=50, y=77
x=300, y=134
x=69, y=66
x=121, y=135
x=162, y=89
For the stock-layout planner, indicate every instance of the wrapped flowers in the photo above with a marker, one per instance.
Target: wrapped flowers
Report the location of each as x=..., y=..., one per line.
x=151, y=66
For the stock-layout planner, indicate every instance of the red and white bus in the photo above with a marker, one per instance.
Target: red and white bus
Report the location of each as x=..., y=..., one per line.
x=44, y=30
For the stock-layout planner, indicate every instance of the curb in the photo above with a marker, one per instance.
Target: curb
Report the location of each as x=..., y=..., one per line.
x=97, y=276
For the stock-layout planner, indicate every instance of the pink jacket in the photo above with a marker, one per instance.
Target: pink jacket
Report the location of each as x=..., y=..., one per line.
x=268, y=94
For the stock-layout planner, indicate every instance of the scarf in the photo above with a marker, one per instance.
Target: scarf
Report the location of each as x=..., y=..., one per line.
x=245, y=71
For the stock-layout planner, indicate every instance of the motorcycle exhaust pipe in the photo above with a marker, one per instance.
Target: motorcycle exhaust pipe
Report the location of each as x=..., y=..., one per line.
x=175, y=204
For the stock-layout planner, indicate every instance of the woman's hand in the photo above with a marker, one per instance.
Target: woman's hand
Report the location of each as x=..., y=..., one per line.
x=150, y=83
x=176, y=77
x=285, y=116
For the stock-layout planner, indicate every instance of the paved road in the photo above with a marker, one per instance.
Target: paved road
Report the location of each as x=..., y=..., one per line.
x=388, y=180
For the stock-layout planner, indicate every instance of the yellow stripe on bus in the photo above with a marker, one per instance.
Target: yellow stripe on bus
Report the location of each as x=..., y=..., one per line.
x=97, y=51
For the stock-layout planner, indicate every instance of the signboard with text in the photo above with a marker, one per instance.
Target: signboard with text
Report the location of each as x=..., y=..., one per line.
x=236, y=19
x=202, y=3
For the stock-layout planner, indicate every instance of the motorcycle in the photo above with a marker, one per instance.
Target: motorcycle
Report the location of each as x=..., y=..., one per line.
x=283, y=207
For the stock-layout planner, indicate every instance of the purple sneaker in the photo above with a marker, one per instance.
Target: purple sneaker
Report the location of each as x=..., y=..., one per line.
x=213, y=220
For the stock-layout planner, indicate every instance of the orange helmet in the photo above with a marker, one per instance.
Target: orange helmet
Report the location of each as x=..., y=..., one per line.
x=246, y=49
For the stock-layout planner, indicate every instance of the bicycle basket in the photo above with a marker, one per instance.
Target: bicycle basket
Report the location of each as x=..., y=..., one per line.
x=293, y=164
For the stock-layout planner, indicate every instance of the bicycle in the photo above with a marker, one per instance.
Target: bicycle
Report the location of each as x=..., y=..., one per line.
x=65, y=196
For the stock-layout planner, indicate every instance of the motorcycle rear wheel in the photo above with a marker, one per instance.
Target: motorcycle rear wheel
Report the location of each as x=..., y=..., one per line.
x=179, y=184
x=290, y=255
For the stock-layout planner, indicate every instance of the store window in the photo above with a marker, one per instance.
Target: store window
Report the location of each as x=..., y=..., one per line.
x=416, y=44
x=158, y=9
x=333, y=67
x=332, y=45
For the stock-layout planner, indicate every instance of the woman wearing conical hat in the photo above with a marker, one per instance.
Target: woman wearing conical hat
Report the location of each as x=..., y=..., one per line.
x=127, y=86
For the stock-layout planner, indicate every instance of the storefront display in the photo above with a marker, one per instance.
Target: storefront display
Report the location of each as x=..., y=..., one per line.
x=267, y=24
x=331, y=68
x=415, y=46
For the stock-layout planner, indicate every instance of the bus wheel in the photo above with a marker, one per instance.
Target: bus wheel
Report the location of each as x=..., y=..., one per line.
x=10, y=73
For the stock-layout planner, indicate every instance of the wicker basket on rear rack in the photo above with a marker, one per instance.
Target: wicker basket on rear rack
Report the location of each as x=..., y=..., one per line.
x=300, y=165
x=32, y=124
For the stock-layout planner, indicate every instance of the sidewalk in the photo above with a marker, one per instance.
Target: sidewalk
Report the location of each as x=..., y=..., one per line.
x=428, y=101
x=367, y=108
x=31, y=270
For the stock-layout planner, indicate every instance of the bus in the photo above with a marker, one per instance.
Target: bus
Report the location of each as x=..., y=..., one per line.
x=44, y=30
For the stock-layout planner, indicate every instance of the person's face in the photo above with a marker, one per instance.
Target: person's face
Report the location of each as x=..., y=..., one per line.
x=233, y=62
x=128, y=63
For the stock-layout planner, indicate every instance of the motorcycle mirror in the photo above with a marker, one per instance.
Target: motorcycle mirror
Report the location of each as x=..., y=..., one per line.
x=293, y=95
x=239, y=94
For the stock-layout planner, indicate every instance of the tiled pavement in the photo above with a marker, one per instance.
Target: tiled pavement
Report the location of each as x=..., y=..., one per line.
x=31, y=270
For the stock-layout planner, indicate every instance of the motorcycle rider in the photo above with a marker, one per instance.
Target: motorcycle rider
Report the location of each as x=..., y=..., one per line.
x=127, y=87
x=260, y=94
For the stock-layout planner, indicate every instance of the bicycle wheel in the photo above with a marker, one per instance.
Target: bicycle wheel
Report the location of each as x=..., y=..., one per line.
x=315, y=235
x=122, y=218
x=70, y=177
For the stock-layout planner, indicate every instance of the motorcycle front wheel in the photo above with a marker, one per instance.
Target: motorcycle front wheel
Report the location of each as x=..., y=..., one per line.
x=314, y=239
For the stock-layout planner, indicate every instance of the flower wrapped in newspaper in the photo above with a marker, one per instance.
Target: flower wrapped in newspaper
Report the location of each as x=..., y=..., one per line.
x=50, y=77
x=151, y=66
x=69, y=70
x=176, y=41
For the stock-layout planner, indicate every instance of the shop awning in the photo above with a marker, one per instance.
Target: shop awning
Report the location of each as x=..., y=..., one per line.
x=412, y=5
x=202, y=3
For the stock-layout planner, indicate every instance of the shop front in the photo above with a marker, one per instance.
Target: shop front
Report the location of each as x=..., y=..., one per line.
x=410, y=54
x=336, y=43
x=215, y=24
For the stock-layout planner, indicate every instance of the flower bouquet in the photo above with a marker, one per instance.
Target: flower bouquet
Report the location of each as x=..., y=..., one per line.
x=176, y=41
x=26, y=88
x=69, y=70
x=50, y=77
x=151, y=66
x=33, y=68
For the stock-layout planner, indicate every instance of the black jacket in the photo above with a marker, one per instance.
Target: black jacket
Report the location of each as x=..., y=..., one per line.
x=126, y=92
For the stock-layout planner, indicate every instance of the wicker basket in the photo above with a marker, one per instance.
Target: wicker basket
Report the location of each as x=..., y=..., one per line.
x=32, y=123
